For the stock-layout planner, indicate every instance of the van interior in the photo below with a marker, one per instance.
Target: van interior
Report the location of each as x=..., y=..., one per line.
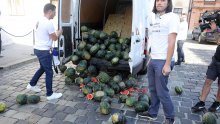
x=106, y=15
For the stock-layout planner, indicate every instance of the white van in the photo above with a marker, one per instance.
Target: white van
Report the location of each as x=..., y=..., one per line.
x=94, y=13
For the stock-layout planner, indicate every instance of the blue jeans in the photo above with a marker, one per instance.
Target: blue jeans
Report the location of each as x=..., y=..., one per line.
x=158, y=89
x=45, y=60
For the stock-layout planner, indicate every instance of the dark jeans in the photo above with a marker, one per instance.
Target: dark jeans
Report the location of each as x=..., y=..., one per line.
x=158, y=89
x=45, y=60
x=180, y=53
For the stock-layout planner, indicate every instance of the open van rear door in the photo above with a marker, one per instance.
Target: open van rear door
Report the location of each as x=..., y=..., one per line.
x=69, y=22
x=139, y=13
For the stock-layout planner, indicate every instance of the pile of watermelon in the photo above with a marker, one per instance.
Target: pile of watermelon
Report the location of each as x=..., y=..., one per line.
x=99, y=85
x=99, y=44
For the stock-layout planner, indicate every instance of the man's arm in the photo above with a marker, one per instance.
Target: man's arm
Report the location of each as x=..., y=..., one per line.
x=54, y=36
x=171, y=45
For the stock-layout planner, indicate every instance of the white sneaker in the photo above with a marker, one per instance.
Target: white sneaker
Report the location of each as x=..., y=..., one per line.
x=54, y=96
x=33, y=88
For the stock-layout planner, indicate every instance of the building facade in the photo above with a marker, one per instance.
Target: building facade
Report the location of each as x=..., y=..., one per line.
x=197, y=7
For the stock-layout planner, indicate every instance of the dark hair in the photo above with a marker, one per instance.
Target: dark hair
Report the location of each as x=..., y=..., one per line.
x=200, y=20
x=48, y=7
x=168, y=9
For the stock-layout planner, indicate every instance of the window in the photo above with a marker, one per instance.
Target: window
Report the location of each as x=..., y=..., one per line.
x=178, y=11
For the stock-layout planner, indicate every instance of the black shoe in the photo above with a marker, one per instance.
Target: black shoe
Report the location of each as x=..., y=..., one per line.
x=183, y=60
x=198, y=107
x=169, y=121
x=214, y=107
x=147, y=115
x=177, y=63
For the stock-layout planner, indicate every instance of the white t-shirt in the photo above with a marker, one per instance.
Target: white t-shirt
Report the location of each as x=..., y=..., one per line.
x=159, y=29
x=183, y=29
x=44, y=29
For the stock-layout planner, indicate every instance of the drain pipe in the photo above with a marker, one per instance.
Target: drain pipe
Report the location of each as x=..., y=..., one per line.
x=190, y=12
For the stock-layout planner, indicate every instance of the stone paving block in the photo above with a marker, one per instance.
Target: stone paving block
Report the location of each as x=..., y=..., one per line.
x=132, y=114
x=7, y=120
x=33, y=119
x=194, y=117
x=81, y=112
x=21, y=115
x=60, y=115
x=50, y=106
x=81, y=106
x=94, y=121
x=70, y=110
x=71, y=118
x=44, y=120
x=186, y=121
x=60, y=108
x=81, y=120
x=22, y=122
x=49, y=113
x=130, y=120
x=117, y=105
x=186, y=104
x=71, y=104
x=180, y=114
x=39, y=111
x=176, y=98
x=185, y=109
x=114, y=110
x=184, y=99
x=9, y=113
x=10, y=99
x=99, y=116
x=26, y=108
x=62, y=102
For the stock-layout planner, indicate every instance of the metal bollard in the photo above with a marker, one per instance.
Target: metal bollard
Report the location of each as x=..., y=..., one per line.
x=0, y=42
x=33, y=42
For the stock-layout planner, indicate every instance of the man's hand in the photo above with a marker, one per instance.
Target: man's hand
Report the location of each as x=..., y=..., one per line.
x=59, y=32
x=166, y=70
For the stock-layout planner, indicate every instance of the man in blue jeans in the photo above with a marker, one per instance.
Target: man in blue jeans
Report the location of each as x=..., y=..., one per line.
x=163, y=27
x=45, y=35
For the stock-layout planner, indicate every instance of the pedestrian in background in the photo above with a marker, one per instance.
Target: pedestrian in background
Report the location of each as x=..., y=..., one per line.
x=45, y=35
x=163, y=28
x=181, y=37
x=212, y=73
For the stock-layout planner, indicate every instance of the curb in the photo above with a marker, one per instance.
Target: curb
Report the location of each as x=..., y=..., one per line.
x=18, y=64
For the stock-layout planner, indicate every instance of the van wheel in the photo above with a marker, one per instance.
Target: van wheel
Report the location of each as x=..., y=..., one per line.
x=193, y=38
x=201, y=39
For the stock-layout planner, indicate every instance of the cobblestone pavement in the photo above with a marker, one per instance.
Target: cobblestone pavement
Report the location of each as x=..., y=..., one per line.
x=73, y=109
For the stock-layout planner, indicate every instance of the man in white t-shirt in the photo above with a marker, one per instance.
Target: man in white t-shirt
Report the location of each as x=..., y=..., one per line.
x=163, y=27
x=181, y=37
x=45, y=35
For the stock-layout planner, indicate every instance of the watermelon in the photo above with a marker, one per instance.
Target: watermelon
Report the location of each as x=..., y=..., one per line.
x=105, y=108
x=130, y=101
x=118, y=118
x=178, y=90
x=209, y=118
x=2, y=107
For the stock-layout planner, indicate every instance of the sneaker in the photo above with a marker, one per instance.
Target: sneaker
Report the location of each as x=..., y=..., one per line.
x=33, y=88
x=198, y=107
x=214, y=107
x=169, y=121
x=147, y=115
x=54, y=96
